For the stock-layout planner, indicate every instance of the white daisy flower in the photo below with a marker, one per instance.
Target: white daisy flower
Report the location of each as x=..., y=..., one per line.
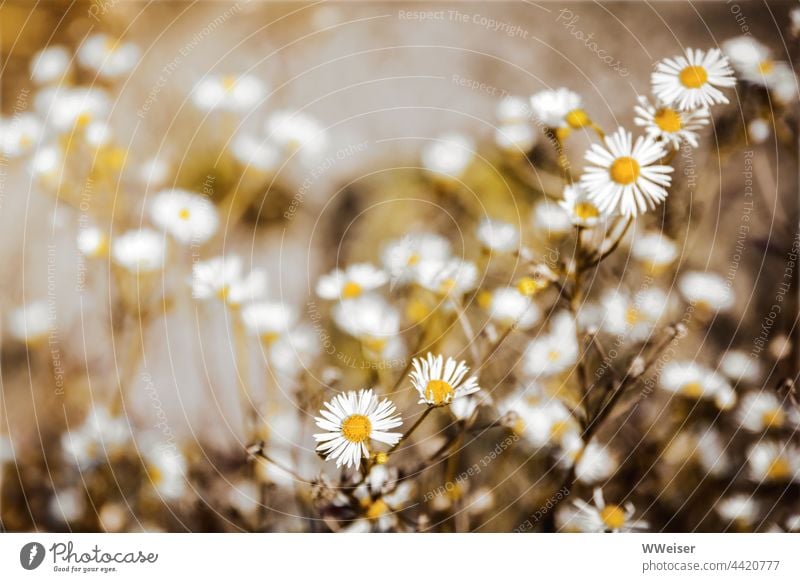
x=593, y=462
x=47, y=164
x=773, y=461
x=559, y=108
x=166, y=469
x=706, y=446
x=232, y=93
x=98, y=134
x=507, y=306
x=452, y=277
x=711, y=451
x=350, y=422
x=244, y=496
x=139, y=250
x=515, y=138
x=544, y=423
x=760, y=411
x=50, y=65
x=739, y=508
x=92, y=242
x=635, y=318
x=64, y=107
x=31, y=322
x=759, y=130
x=449, y=155
x=480, y=501
x=551, y=218
x=108, y=57
x=380, y=511
x=602, y=517
x=269, y=320
x=626, y=176
x=512, y=110
x=100, y=437
x=401, y=257
x=296, y=131
x=292, y=353
x=555, y=352
x=708, y=291
x=439, y=382
x=695, y=381
x=154, y=172
x=580, y=209
x=67, y=505
x=188, y=217
x=19, y=134
x=351, y=282
x=694, y=80
x=655, y=251
x=222, y=278
x=464, y=408
x=256, y=153
x=672, y=126
x=499, y=236
x=113, y=517
x=753, y=61
x=371, y=320
x=784, y=85
x=740, y=366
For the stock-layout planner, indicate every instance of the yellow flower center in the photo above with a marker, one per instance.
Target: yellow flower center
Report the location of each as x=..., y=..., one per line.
x=377, y=509
x=115, y=157
x=381, y=458
x=585, y=210
x=519, y=426
x=693, y=77
x=413, y=259
x=228, y=83
x=351, y=290
x=559, y=429
x=356, y=428
x=111, y=45
x=577, y=118
x=374, y=344
x=155, y=474
x=222, y=292
x=613, y=516
x=562, y=133
x=484, y=299
x=447, y=286
x=766, y=67
x=417, y=310
x=554, y=355
x=779, y=469
x=773, y=418
x=184, y=214
x=692, y=389
x=269, y=337
x=529, y=286
x=668, y=120
x=83, y=119
x=456, y=492
x=624, y=170
x=632, y=316
x=439, y=392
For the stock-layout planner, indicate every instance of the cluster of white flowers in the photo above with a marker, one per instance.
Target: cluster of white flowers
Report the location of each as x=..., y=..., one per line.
x=519, y=285
x=624, y=176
